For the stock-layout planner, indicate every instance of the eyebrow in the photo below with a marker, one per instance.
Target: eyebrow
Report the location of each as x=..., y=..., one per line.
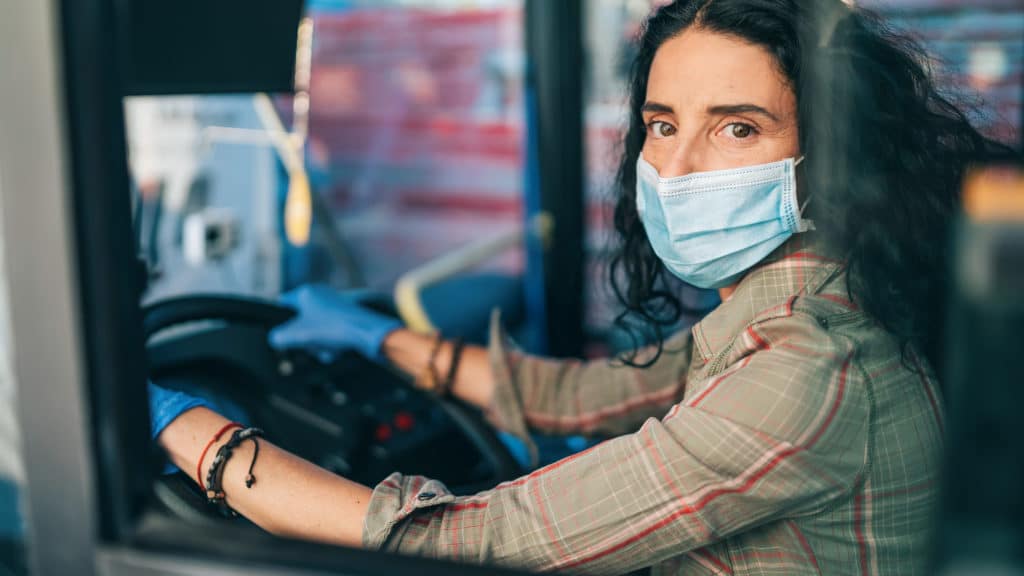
x=742, y=109
x=658, y=108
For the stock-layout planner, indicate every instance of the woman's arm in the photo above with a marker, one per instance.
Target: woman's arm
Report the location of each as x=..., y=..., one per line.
x=291, y=497
x=558, y=396
x=474, y=381
x=295, y=498
x=516, y=391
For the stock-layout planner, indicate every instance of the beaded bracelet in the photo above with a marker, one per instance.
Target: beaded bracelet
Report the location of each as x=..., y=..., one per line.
x=215, y=476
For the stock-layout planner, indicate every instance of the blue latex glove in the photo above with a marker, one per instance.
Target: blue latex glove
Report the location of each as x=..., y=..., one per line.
x=329, y=321
x=166, y=405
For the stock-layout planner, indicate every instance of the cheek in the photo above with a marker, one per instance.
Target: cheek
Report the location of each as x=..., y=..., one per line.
x=651, y=155
x=656, y=152
x=646, y=151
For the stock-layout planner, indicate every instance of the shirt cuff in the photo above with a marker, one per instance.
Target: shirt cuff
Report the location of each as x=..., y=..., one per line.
x=393, y=501
x=507, y=411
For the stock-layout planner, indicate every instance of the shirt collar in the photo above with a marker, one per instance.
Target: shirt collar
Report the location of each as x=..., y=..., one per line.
x=801, y=266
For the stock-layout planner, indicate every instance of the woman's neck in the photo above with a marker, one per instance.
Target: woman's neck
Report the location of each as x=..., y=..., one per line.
x=725, y=293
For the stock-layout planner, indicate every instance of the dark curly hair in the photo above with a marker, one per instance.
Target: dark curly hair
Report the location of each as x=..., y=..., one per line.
x=881, y=141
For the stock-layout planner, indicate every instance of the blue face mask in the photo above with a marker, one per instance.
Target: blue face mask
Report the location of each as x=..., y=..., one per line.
x=711, y=227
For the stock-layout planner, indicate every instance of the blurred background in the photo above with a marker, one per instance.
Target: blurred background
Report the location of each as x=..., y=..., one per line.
x=416, y=141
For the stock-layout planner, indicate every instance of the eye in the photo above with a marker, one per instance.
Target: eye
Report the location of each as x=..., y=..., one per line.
x=659, y=129
x=740, y=131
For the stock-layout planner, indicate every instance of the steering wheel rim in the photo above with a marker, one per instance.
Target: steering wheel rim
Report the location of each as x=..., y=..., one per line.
x=164, y=314
x=179, y=494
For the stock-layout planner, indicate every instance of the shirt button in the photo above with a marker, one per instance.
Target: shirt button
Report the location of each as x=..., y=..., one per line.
x=423, y=497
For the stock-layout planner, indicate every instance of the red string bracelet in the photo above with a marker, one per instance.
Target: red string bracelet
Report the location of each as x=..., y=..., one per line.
x=199, y=467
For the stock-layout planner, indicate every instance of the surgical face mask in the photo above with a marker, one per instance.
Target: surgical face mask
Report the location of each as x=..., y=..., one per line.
x=709, y=228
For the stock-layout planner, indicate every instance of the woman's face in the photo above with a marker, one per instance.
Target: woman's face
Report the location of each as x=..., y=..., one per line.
x=716, y=102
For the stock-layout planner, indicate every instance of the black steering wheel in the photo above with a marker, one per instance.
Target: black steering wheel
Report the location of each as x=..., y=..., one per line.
x=351, y=416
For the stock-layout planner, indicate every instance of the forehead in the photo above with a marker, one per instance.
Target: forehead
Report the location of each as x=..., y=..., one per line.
x=699, y=68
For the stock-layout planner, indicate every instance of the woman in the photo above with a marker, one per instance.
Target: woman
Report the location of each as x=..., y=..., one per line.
x=792, y=154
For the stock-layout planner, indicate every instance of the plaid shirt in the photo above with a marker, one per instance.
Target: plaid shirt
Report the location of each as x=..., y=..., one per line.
x=784, y=434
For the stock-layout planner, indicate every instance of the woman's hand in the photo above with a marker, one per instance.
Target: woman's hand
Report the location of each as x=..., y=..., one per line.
x=331, y=322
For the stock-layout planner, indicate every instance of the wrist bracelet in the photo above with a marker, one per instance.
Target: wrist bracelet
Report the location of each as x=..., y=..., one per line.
x=429, y=380
x=453, y=368
x=215, y=477
x=202, y=456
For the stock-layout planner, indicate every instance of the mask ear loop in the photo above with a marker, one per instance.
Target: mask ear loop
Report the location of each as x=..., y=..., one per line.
x=805, y=225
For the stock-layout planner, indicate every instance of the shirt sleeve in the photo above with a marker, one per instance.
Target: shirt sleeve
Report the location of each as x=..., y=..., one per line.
x=780, y=433
x=599, y=397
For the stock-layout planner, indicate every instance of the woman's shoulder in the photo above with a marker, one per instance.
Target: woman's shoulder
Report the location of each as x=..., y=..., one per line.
x=891, y=372
x=838, y=316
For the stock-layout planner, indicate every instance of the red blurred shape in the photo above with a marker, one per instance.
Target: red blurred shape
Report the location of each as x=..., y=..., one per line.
x=404, y=421
x=383, y=433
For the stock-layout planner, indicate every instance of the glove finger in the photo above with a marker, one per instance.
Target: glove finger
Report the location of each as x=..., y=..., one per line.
x=362, y=295
x=294, y=334
x=290, y=299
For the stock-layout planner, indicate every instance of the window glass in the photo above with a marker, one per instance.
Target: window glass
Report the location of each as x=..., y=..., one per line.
x=12, y=474
x=977, y=51
x=414, y=147
x=207, y=184
x=417, y=125
x=606, y=112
